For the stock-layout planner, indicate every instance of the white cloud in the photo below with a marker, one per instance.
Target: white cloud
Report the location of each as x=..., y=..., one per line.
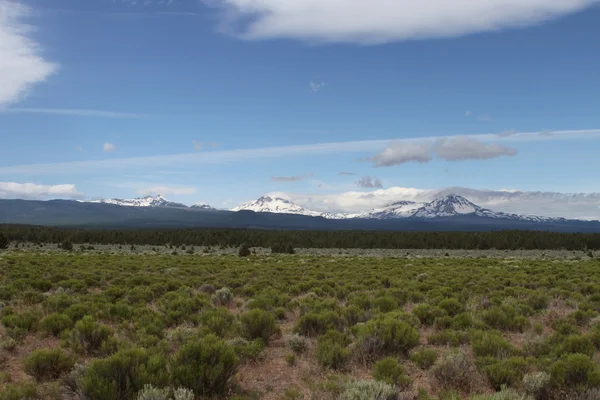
x=369, y=182
x=75, y=112
x=380, y=21
x=400, y=153
x=166, y=190
x=109, y=147
x=187, y=160
x=21, y=65
x=316, y=86
x=197, y=145
x=551, y=204
x=465, y=148
x=507, y=132
x=14, y=190
x=450, y=149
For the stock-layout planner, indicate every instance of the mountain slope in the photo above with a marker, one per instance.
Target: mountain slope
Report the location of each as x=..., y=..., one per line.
x=147, y=201
x=276, y=205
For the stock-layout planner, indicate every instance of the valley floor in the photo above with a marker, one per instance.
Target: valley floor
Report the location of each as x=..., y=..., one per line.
x=103, y=324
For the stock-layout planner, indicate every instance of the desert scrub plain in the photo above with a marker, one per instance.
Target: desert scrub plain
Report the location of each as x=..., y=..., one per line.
x=86, y=324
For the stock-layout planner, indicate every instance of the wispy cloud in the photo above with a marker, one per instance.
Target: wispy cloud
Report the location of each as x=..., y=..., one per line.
x=21, y=63
x=109, y=147
x=166, y=190
x=346, y=173
x=200, y=146
x=468, y=113
x=316, y=86
x=369, y=182
x=291, y=178
x=450, y=149
x=244, y=155
x=16, y=190
x=197, y=145
x=76, y=112
x=485, y=117
x=380, y=21
x=507, y=132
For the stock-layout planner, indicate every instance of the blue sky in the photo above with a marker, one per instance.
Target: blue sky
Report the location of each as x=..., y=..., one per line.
x=221, y=102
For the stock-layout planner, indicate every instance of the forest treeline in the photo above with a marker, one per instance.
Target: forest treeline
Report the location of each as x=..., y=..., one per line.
x=501, y=240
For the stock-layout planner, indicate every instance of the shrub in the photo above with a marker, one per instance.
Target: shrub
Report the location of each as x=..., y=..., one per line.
x=394, y=335
x=575, y=370
x=332, y=351
x=448, y=337
x=183, y=394
x=67, y=245
x=244, y=250
x=74, y=379
x=491, y=345
x=298, y=344
x=368, y=390
x=573, y=344
x=205, y=366
x=48, y=364
x=26, y=321
x=283, y=248
x=507, y=372
x=454, y=371
x=149, y=392
x=123, y=375
x=222, y=297
x=248, y=350
x=218, y=321
x=8, y=344
x=504, y=394
x=427, y=313
x=451, y=306
x=290, y=359
x=390, y=371
x=424, y=358
x=537, y=384
x=56, y=323
x=19, y=392
x=89, y=335
x=3, y=242
x=259, y=324
x=314, y=324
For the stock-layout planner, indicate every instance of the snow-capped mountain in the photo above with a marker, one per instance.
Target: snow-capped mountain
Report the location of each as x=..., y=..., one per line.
x=275, y=205
x=147, y=201
x=399, y=209
x=450, y=205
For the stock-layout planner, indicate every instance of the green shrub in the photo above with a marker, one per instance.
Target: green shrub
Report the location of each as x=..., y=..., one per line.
x=424, y=358
x=538, y=301
x=504, y=318
x=244, y=250
x=283, y=248
x=491, y=345
x=332, y=351
x=205, y=366
x=537, y=384
x=3, y=242
x=290, y=359
x=393, y=335
x=573, y=344
x=385, y=304
x=218, y=321
x=149, y=392
x=222, y=297
x=575, y=370
x=451, y=306
x=19, y=391
x=183, y=394
x=448, y=337
x=56, y=323
x=8, y=344
x=507, y=372
x=390, y=371
x=88, y=335
x=248, y=350
x=26, y=321
x=464, y=321
x=427, y=313
x=48, y=364
x=454, y=371
x=259, y=324
x=314, y=324
x=368, y=390
x=504, y=394
x=298, y=344
x=123, y=374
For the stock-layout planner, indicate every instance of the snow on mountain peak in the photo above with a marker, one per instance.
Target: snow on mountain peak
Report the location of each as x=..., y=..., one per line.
x=275, y=205
x=147, y=201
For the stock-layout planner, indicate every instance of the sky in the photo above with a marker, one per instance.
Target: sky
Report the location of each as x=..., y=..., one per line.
x=222, y=101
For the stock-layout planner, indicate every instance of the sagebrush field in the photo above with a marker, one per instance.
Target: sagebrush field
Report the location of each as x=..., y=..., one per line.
x=109, y=327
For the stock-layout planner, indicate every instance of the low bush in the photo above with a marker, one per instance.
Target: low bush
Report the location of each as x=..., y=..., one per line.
x=504, y=394
x=259, y=324
x=448, y=337
x=393, y=335
x=368, y=390
x=575, y=370
x=507, y=372
x=48, y=364
x=122, y=375
x=88, y=335
x=19, y=391
x=427, y=313
x=313, y=324
x=244, y=250
x=55, y=323
x=206, y=366
x=332, y=351
x=537, y=384
x=298, y=344
x=454, y=371
x=222, y=297
x=390, y=371
x=452, y=306
x=424, y=358
x=491, y=345
x=149, y=392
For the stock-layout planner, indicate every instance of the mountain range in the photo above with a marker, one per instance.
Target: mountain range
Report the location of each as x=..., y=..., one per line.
x=449, y=212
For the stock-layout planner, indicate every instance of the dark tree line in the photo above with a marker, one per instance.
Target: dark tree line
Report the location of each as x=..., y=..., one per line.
x=501, y=240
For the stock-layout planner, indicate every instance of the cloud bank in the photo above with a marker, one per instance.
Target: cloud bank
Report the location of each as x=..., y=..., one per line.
x=33, y=191
x=109, y=147
x=21, y=64
x=381, y=21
